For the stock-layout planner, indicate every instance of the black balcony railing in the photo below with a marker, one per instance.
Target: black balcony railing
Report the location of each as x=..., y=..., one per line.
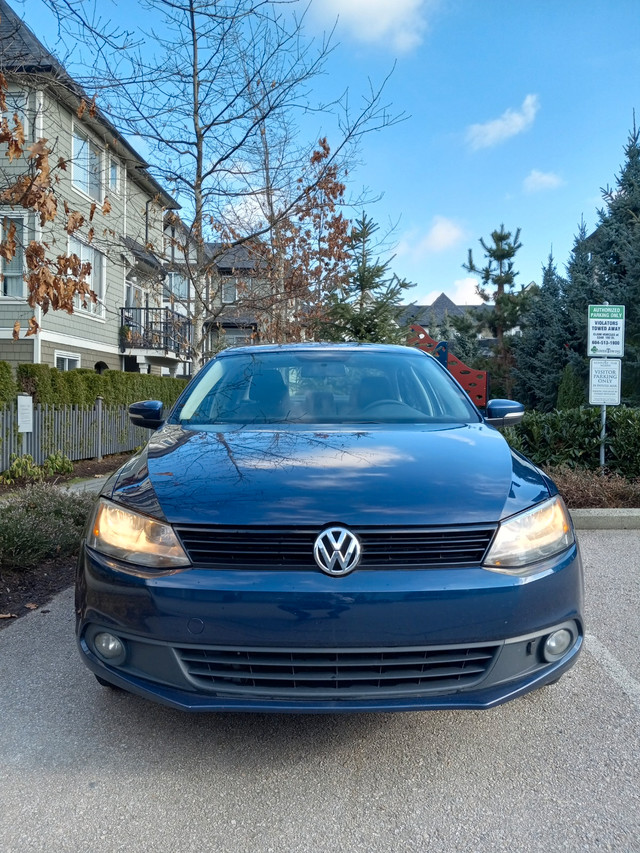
x=155, y=328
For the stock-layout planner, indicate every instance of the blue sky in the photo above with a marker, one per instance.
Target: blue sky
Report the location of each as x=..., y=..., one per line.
x=519, y=112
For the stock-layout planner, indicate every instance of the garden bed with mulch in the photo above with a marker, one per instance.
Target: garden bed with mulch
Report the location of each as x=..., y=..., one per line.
x=24, y=590
x=82, y=469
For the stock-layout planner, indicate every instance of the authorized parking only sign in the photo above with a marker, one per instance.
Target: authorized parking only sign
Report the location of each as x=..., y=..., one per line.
x=606, y=331
x=604, y=382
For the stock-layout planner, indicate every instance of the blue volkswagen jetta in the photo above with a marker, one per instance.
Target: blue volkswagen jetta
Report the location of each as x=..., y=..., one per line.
x=323, y=527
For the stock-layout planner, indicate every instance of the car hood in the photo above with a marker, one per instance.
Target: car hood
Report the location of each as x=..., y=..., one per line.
x=400, y=475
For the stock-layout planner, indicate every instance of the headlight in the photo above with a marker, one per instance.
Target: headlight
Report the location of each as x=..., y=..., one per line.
x=127, y=535
x=533, y=535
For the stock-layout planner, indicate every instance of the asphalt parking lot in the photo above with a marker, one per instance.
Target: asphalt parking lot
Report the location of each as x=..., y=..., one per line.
x=83, y=768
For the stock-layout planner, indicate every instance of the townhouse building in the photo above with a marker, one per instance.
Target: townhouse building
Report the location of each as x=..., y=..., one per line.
x=108, y=183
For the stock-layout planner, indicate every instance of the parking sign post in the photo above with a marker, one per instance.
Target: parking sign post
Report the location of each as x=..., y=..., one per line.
x=605, y=339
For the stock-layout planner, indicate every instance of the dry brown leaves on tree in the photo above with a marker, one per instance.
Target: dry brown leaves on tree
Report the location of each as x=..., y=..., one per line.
x=59, y=282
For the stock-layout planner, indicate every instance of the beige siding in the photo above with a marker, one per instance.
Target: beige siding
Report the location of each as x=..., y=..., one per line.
x=133, y=214
x=12, y=310
x=88, y=357
x=16, y=352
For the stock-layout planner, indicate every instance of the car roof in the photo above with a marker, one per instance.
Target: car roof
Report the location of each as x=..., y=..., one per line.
x=321, y=347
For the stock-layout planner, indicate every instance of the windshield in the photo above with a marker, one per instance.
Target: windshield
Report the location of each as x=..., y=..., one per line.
x=348, y=386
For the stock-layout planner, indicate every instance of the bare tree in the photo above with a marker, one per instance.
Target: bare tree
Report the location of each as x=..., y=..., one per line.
x=218, y=96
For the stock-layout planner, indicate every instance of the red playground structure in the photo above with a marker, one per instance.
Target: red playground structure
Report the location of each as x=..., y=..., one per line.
x=474, y=382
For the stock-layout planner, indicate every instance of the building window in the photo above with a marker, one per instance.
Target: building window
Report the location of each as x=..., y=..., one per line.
x=17, y=103
x=114, y=176
x=87, y=167
x=134, y=294
x=238, y=337
x=95, y=278
x=12, y=272
x=176, y=286
x=67, y=360
x=229, y=291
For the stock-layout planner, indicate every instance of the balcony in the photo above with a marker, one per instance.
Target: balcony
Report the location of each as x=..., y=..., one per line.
x=160, y=330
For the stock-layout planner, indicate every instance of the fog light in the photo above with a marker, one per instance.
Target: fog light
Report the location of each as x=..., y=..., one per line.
x=108, y=647
x=557, y=644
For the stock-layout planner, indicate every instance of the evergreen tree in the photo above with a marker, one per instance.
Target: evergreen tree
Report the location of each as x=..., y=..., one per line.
x=467, y=338
x=617, y=252
x=498, y=285
x=605, y=267
x=461, y=334
x=571, y=393
x=368, y=307
x=540, y=352
x=581, y=289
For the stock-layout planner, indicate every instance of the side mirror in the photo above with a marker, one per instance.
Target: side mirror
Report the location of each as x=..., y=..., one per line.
x=148, y=413
x=503, y=413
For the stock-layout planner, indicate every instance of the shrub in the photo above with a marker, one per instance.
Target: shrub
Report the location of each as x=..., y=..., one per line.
x=572, y=437
x=8, y=387
x=35, y=379
x=23, y=469
x=41, y=522
x=57, y=463
x=622, y=447
x=571, y=390
x=48, y=385
x=584, y=489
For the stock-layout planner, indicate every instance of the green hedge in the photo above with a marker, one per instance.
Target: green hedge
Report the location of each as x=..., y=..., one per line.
x=572, y=437
x=48, y=385
x=8, y=387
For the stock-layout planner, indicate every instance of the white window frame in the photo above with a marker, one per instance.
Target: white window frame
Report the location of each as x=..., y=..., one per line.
x=131, y=287
x=89, y=253
x=168, y=292
x=240, y=337
x=111, y=162
x=66, y=356
x=78, y=172
x=17, y=217
x=22, y=111
x=227, y=284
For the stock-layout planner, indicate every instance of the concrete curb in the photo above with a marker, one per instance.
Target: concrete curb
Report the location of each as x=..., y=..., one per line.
x=606, y=519
x=92, y=486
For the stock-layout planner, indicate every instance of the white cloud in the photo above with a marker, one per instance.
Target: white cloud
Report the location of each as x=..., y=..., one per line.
x=444, y=234
x=400, y=24
x=510, y=123
x=463, y=291
x=538, y=181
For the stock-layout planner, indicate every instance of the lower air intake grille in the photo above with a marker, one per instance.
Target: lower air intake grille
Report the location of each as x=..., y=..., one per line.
x=335, y=674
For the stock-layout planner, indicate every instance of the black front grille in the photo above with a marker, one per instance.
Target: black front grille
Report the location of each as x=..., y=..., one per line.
x=336, y=673
x=268, y=547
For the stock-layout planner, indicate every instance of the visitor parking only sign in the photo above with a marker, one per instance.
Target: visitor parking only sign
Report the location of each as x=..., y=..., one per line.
x=604, y=382
x=606, y=331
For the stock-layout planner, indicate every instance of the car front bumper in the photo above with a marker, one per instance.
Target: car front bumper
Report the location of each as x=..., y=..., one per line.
x=300, y=641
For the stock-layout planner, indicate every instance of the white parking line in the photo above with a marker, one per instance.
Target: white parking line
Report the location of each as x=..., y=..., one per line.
x=614, y=668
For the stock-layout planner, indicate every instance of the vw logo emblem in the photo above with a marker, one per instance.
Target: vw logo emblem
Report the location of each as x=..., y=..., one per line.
x=337, y=551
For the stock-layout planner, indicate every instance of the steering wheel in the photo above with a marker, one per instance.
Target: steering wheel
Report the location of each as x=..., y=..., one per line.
x=385, y=402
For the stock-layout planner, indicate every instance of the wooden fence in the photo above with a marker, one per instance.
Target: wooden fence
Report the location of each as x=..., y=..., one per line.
x=79, y=432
